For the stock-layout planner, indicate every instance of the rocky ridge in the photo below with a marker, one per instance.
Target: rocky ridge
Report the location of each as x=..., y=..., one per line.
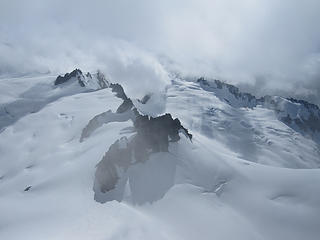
x=92, y=81
x=300, y=115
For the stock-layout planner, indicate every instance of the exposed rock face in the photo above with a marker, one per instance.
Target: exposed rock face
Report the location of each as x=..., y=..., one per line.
x=92, y=81
x=305, y=103
x=125, y=106
x=103, y=82
x=158, y=131
x=27, y=188
x=153, y=135
x=127, y=103
x=118, y=89
x=145, y=99
x=300, y=115
x=119, y=156
x=74, y=74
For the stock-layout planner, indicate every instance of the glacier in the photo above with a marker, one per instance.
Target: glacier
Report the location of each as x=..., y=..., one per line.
x=250, y=171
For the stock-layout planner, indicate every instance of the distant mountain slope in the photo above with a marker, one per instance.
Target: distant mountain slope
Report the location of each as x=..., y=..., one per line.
x=300, y=115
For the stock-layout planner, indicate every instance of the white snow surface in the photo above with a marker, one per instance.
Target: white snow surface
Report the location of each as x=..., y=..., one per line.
x=245, y=175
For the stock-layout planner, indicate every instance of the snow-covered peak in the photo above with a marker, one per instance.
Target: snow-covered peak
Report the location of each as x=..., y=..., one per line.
x=92, y=81
x=228, y=93
x=300, y=115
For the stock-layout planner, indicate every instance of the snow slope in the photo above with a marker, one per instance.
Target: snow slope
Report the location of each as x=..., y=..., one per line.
x=245, y=175
x=299, y=115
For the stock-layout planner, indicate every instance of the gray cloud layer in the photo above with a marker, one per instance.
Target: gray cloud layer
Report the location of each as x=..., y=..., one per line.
x=265, y=46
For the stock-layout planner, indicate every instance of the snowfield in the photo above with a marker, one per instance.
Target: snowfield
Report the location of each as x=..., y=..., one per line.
x=245, y=174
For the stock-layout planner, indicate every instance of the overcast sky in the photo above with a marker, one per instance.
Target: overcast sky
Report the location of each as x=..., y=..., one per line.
x=264, y=46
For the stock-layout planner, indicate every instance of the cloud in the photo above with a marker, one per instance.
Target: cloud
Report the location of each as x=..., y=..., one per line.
x=241, y=42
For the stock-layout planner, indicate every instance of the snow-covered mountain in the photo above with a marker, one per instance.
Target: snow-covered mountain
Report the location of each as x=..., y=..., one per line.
x=82, y=160
x=91, y=81
x=300, y=115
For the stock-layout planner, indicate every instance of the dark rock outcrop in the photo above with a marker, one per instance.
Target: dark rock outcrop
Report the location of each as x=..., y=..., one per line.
x=102, y=81
x=157, y=132
x=125, y=106
x=145, y=99
x=118, y=89
x=127, y=103
x=306, y=104
x=27, y=188
x=117, y=157
x=74, y=74
x=153, y=135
